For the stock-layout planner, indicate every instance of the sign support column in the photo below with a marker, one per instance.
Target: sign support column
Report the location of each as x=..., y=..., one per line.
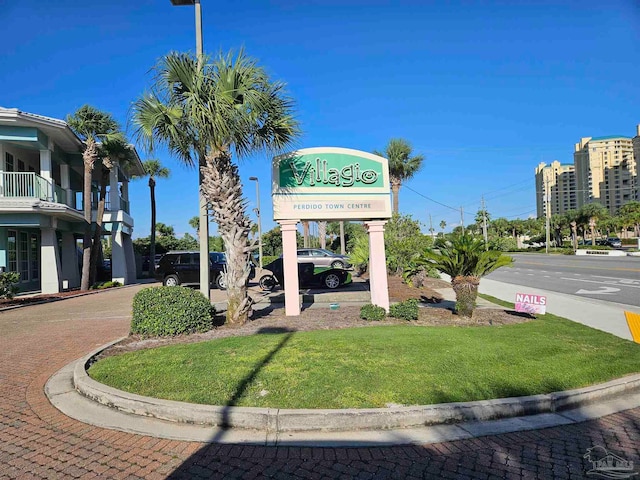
x=290, y=267
x=378, y=264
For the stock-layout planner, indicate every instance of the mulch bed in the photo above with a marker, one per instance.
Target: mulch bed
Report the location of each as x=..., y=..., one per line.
x=43, y=298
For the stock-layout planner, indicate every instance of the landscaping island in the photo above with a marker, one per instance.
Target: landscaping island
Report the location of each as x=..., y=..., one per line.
x=325, y=359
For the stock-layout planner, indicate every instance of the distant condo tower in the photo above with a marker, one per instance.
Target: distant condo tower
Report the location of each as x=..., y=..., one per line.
x=604, y=170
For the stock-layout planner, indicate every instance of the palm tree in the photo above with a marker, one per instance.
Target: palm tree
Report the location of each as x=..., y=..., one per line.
x=194, y=222
x=443, y=224
x=153, y=169
x=589, y=215
x=465, y=260
x=402, y=166
x=92, y=126
x=630, y=215
x=165, y=230
x=113, y=151
x=205, y=112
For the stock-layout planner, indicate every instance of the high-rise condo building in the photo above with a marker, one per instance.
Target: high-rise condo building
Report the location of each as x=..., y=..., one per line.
x=606, y=170
x=636, y=157
x=560, y=181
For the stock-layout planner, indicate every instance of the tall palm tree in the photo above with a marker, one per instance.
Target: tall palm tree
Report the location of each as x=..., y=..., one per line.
x=205, y=112
x=92, y=126
x=443, y=224
x=115, y=150
x=153, y=169
x=465, y=259
x=402, y=166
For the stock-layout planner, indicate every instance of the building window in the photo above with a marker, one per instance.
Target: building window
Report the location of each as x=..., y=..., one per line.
x=20, y=165
x=12, y=251
x=8, y=163
x=23, y=255
x=33, y=258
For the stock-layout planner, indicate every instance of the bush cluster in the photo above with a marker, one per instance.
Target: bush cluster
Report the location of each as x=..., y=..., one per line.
x=169, y=311
x=8, y=282
x=407, y=310
x=372, y=312
x=103, y=285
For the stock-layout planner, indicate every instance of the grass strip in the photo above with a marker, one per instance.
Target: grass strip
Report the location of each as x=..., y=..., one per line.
x=371, y=367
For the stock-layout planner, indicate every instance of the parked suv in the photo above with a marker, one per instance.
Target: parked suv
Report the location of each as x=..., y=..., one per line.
x=183, y=267
x=323, y=258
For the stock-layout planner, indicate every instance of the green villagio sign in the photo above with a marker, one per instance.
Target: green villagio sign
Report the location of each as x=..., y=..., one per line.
x=330, y=183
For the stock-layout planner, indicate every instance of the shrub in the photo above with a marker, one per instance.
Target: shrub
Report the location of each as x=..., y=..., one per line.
x=168, y=311
x=407, y=310
x=503, y=244
x=8, y=282
x=103, y=285
x=359, y=256
x=372, y=312
x=267, y=259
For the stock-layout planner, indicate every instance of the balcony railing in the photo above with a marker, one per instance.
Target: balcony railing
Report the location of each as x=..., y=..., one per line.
x=124, y=205
x=31, y=185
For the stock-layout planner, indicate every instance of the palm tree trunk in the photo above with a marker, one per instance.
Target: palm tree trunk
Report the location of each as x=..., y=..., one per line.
x=96, y=247
x=305, y=233
x=466, y=290
x=152, y=244
x=89, y=156
x=322, y=233
x=395, y=192
x=223, y=190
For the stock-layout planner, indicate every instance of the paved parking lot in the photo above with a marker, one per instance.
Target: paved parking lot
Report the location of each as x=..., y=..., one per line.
x=37, y=441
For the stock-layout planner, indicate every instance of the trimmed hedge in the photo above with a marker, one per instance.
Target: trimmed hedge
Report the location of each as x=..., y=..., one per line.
x=169, y=311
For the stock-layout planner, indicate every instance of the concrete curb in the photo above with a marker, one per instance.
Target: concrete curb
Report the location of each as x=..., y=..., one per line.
x=277, y=421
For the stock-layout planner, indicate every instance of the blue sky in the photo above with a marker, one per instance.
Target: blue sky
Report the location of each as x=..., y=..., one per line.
x=484, y=90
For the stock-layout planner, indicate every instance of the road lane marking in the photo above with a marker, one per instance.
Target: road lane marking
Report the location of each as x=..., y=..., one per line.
x=621, y=280
x=599, y=283
x=601, y=290
x=617, y=269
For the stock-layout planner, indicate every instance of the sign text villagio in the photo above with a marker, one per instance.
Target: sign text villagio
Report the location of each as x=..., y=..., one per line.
x=330, y=183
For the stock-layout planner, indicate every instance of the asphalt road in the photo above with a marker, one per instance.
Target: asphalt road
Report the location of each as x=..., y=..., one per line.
x=611, y=279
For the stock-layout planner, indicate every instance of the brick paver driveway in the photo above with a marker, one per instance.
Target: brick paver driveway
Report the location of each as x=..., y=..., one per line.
x=37, y=441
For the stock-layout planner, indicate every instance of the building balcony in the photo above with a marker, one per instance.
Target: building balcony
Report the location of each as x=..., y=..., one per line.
x=29, y=185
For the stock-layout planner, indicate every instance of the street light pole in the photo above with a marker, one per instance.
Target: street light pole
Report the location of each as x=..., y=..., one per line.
x=255, y=179
x=202, y=201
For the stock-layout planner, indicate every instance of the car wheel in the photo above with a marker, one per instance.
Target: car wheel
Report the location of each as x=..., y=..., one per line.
x=267, y=282
x=337, y=264
x=332, y=281
x=221, y=282
x=171, y=281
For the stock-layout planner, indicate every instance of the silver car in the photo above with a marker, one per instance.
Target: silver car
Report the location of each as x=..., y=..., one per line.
x=323, y=258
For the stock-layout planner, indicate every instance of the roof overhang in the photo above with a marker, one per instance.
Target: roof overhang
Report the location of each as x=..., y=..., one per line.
x=56, y=130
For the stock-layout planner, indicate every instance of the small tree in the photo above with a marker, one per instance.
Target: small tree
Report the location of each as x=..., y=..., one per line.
x=465, y=260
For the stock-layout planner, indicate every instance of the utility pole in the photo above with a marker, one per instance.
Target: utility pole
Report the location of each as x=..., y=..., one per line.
x=462, y=219
x=547, y=211
x=484, y=226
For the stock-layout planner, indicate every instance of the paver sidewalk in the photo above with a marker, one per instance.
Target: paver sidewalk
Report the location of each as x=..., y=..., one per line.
x=37, y=441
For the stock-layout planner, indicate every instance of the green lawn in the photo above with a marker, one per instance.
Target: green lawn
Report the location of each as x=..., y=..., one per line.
x=369, y=367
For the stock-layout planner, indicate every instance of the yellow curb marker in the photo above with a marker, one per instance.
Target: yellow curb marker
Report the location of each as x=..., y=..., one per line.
x=633, y=320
